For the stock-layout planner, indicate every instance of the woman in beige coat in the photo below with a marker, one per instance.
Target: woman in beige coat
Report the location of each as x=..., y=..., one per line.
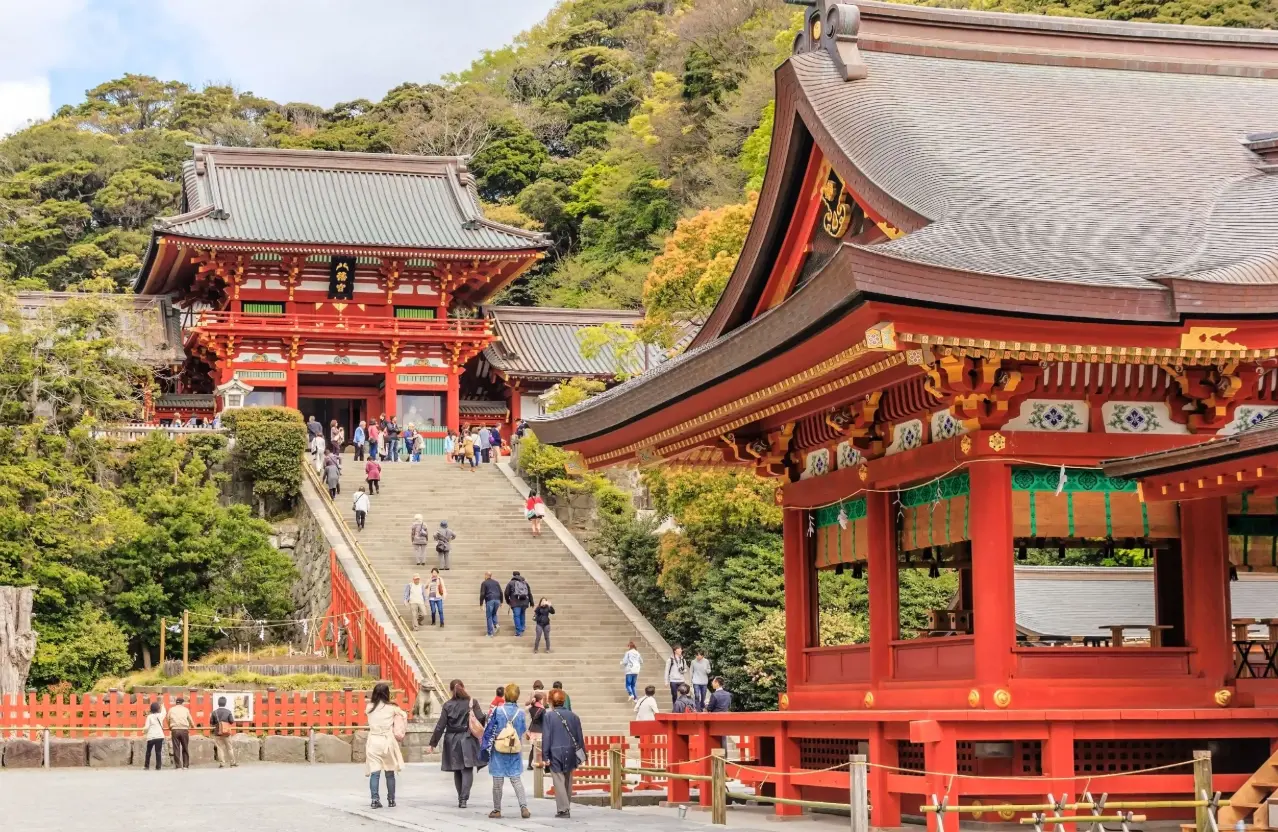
x=383, y=752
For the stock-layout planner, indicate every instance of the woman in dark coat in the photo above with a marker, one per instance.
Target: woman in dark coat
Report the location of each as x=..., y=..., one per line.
x=460, y=750
x=561, y=737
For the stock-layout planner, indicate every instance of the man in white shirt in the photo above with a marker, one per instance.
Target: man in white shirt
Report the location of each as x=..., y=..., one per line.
x=415, y=597
x=646, y=709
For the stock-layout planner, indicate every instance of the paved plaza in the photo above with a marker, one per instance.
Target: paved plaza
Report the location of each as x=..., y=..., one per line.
x=295, y=798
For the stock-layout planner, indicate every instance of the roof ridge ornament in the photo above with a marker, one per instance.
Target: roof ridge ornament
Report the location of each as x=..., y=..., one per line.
x=833, y=26
x=1265, y=146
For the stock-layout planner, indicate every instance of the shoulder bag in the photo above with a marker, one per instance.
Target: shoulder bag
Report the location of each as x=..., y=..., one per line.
x=581, y=752
x=476, y=727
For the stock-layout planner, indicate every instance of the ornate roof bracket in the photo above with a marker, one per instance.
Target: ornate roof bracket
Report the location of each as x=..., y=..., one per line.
x=834, y=27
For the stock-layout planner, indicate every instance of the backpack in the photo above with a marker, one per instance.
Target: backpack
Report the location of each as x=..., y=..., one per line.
x=507, y=741
x=520, y=591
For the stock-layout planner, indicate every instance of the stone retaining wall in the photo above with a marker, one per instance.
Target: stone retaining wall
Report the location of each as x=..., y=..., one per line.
x=121, y=752
x=302, y=538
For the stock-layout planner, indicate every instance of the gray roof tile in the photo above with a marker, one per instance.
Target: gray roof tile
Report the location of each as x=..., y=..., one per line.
x=544, y=342
x=289, y=196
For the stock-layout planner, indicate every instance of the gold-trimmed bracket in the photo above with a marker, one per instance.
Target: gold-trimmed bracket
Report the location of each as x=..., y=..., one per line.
x=881, y=336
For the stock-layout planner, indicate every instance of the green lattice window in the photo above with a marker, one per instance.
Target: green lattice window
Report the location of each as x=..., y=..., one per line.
x=415, y=313
x=261, y=307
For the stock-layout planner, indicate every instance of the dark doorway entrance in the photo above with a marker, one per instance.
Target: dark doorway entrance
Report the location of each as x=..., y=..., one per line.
x=347, y=412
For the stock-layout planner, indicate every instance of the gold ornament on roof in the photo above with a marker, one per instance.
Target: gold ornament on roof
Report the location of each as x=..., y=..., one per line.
x=997, y=441
x=838, y=208
x=863, y=471
x=965, y=445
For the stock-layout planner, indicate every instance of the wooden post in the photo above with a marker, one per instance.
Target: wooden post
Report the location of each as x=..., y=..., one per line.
x=164, y=626
x=1202, y=790
x=186, y=641
x=539, y=772
x=363, y=640
x=718, y=787
x=615, y=776
x=46, y=748
x=310, y=745
x=859, y=799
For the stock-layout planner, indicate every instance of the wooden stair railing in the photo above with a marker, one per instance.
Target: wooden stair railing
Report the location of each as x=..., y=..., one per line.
x=1250, y=802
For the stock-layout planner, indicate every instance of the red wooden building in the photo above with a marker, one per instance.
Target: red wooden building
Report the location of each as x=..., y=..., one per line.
x=991, y=252
x=331, y=281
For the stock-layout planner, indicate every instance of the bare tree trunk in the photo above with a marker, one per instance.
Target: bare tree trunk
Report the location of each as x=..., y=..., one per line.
x=17, y=639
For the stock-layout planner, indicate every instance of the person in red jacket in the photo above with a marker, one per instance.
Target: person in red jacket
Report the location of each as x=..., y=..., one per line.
x=373, y=473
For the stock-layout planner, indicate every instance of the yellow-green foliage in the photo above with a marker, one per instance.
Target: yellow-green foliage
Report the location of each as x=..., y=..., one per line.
x=221, y=681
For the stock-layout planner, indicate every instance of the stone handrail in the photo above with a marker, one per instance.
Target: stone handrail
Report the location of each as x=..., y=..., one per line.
x=139, y=432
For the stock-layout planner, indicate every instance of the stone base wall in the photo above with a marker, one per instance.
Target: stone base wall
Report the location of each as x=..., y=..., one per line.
x=302, y=538
x=122, y=752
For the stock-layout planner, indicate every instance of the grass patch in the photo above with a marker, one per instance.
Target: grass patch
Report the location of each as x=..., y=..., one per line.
x=222, y=681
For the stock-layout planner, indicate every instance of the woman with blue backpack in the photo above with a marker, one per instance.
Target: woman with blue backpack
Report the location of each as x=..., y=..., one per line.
x=503, y=742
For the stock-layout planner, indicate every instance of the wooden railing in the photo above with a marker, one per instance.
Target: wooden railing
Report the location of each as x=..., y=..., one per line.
x=139, y=431
x=235, y=322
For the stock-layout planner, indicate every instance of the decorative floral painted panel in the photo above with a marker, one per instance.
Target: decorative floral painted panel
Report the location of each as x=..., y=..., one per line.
x=1051, y=415
x=1140, y=417
x=816, y=463
x=945, y=426
x=906, y=436
x=848, y=456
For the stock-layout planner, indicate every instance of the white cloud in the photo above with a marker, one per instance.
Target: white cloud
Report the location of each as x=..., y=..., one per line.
x=325, y=51
x=22, y=102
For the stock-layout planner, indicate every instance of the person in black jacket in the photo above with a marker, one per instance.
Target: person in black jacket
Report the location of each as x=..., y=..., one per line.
x=561, y=737
x=222, y=716
x=536, y=713
x=490, y=600
x=461, y=754
x=541, y=617
x=519, y=598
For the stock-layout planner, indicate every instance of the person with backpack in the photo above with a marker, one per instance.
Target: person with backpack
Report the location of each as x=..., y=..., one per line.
x=420, y=535
x=519, y=599
x=563, y=750
x=541, y=617
x=361, y=508
x=646, y=709
x=435, y=593
x=373, y=475
x=676, y=669
x=631, y=664
x=444, y=538
x=222, y=722
x=503, y=741
x=387, y=727
x=684, y=704
x=460, y=727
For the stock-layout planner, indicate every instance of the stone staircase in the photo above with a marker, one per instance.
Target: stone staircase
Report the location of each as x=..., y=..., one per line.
x=486, y=512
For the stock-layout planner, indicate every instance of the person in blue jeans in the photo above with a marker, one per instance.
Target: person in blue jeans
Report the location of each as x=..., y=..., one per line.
x=700, y=668
x=490, y=600
x=435, y=593
x=519, y=599
x=631, y=664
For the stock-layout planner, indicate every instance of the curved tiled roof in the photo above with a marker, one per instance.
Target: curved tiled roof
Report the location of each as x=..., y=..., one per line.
x=543, y=342
x=321, y=197
x=1075, y=175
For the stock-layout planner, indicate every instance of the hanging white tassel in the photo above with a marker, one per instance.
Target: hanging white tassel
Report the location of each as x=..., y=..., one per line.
x=811, y=524
x=175, y=628
x=843, y=516
x=306, y=627
x=1060, y=483
x=261, y=633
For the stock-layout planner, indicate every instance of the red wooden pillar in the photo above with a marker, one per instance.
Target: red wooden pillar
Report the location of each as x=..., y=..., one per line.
x=701, y=748
x=883, y=579
x=798, y=611
x=1204, y=556
x=515, y=404
x=677, y=791
x=290, y=388
x=452, y=402
x=994, y=605
x=885, y=807
x=788, y=759
x=391, y=393
x=1058, y=755
x=941, y=757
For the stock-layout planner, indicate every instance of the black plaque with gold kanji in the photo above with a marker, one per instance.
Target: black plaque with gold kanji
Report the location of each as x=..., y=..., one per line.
x=341, y=278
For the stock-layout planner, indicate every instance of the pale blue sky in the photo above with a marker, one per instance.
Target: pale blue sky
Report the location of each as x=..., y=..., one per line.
x=320, y=51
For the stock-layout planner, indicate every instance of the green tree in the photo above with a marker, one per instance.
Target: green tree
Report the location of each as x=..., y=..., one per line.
x=135, y=195
x=509, y=162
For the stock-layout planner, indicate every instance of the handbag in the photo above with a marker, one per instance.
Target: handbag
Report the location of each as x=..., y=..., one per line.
x=476, y=727
x=399, y=727
x=581, y=752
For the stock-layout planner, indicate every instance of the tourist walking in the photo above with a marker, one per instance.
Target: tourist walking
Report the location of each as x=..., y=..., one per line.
x=360, y=440
x=450, y=446
x=373, y=475
x=374, y=441
x=485, y=444
x=415, y=597
x=518, y=598
x=180, y=725
x=700, y=669
x=494, y=441
x=336, y=435
x=503, y=741
x=435, y=593
x=631, y=664
x=410, y=443
x=676, y=669
x=420, y=535
x=222, y=722
x=646, y=709
x=313, y=427
x=460, y=725
x=317, y=453
x=560, y=686
x=490, y=600
x=474, y=447
x=392, y=440
x=154, y=736
x=563, y=742
x=541, y=617
x=467, y=456
x=684, y=704
x=361, y=507
x=444, y=538
x=332, y=476
x=536, y=713
x=387, y=726
x=535, y=511
x=720, y=697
